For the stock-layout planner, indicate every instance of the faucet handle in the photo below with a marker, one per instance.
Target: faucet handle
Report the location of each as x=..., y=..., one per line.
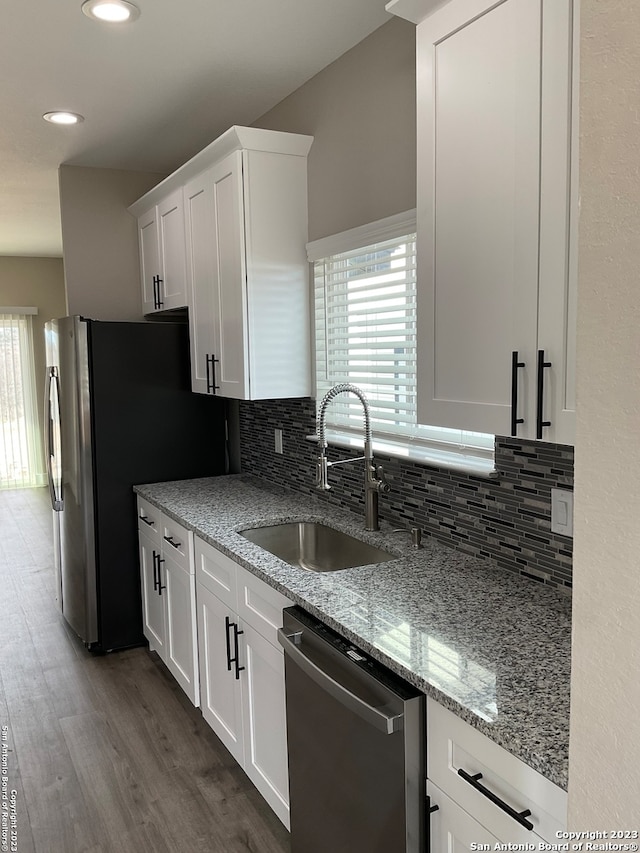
x=382, y=485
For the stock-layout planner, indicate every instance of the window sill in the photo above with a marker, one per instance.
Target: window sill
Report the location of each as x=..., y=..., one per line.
x=452, y=460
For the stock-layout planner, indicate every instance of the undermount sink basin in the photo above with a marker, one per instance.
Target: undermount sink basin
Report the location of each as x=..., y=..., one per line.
x=314, y=546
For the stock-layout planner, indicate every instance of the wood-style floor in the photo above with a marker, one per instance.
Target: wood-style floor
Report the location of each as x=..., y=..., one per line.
x=106, y=754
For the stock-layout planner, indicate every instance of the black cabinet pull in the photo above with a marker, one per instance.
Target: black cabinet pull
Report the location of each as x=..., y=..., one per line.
x=211, y=374
x=161, y=586
x=236, y=658
x=515, y=365
x=431, y=809
x=146, y=520
x=172, y=542
x=227, y=625
x=157, y=302
x=540, y=423
x=519, y=817
x=155, y=571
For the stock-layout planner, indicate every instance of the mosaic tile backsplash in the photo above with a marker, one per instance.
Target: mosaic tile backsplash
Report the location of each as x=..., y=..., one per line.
x=507, y=518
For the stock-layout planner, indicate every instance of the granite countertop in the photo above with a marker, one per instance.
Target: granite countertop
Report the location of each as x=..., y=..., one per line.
x=489, y=645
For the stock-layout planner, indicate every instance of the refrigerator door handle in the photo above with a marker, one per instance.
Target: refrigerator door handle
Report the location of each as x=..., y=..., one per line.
x=53, y=386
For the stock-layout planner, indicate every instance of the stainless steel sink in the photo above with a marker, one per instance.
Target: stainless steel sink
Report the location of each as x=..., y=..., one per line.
x=314, y=546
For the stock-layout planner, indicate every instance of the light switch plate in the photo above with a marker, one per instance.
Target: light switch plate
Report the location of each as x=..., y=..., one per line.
x=562, y=512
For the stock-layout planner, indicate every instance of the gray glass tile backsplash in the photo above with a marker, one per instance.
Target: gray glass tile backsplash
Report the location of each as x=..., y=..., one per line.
x=507, y=518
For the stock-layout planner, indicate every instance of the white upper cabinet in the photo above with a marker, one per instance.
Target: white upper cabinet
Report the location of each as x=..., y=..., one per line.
x=162, y=254
x=247, y=278
x=496, y=277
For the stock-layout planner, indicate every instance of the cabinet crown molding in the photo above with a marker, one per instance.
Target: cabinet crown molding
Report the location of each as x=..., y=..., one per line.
x=414, y=10
x=235, y=139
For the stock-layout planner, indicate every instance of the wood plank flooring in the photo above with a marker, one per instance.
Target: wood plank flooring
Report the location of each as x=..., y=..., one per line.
x=106, y=754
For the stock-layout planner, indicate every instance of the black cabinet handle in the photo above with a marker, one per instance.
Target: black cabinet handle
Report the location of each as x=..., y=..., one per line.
x=172, y=542
x=157, y=302
x=540, y=423
x=227, y=625
x=431, y=809
x=519, y=817
x=515, y=365
x=146, y=520
x=211, y=374
x=155, y=571
x=236, y=658
x=161, y=586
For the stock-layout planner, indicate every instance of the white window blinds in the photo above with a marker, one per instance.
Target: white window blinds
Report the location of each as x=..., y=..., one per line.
x=20, y=451
x=365, y=333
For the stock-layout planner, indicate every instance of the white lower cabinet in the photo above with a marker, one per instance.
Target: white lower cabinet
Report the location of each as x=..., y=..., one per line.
x=242, y=670
x=452, y=830
x=264, y=721
x=220, y=691
x=169, y=595
x=181, y=653
x=482, y=790
x=153, y=614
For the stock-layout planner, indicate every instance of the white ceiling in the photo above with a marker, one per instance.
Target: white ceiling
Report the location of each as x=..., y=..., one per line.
x=153, y=93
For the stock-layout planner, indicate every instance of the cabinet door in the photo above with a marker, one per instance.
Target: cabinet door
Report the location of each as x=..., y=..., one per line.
x=217, y=280
x=230, y=312
x=479, y=77
x=172, y=251
x=181, y=635
x=202, y=280
x=451, y=829
x=220, y=691
x=264, y=717
x=153, y=614
x=149, y=258
x=559, y=219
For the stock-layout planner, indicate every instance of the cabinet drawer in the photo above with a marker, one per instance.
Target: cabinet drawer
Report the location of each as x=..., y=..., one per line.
x=149, y=520
x=177, y=542
x=216, y=572
x=454, y=745
x=451, y=829
x=260, y=605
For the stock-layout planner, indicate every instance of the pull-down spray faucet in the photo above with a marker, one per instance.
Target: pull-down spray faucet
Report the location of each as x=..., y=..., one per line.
x=374, y=481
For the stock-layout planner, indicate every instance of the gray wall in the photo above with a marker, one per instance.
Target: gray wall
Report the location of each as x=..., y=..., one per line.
x=604, y=776
x=361, y=111
x=100, y=241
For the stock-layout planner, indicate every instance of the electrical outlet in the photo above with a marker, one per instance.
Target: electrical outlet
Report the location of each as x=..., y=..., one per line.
x=278, y=440
x=562, y=512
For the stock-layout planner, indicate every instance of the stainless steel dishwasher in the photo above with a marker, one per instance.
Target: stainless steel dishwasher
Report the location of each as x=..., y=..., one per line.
x=356, y=739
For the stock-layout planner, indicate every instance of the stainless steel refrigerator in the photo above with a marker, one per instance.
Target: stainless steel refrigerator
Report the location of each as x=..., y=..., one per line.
x=119, y=411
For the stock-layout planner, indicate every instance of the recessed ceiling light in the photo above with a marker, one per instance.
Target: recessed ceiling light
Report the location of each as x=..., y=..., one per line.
x=63, y=117
x=112, y=11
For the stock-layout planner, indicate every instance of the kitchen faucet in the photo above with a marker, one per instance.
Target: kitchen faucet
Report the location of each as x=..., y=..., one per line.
x=374, y=481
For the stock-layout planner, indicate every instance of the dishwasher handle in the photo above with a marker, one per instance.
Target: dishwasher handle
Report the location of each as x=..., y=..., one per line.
x=381, y=721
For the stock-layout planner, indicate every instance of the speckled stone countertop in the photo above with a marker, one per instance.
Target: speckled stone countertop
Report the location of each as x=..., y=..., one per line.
x=492, y=647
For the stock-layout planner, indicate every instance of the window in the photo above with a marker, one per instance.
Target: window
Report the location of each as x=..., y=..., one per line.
x=365, y=333
x=20, y=452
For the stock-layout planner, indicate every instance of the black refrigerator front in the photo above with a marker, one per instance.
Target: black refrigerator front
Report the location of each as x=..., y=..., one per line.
x=119, y=412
